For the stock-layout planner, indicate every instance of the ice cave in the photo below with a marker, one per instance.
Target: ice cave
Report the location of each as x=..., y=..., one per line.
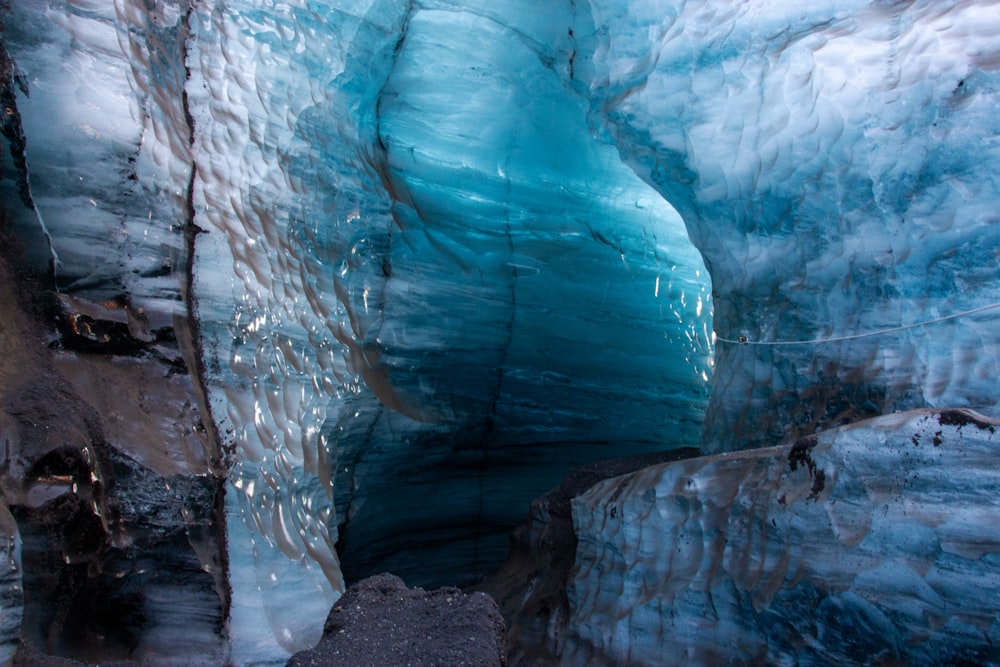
x=672, y=326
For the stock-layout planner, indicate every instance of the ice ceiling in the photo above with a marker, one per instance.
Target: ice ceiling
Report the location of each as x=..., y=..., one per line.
x=364, y=278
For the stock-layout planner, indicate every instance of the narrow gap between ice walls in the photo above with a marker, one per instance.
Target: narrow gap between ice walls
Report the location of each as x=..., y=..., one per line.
x=446, y=292
x=541, y=306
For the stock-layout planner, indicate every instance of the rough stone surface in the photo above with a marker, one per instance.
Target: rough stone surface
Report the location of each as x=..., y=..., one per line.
x=379, y=622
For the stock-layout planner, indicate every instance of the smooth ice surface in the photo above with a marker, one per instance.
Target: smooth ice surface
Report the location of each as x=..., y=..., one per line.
x=542, y=306
x=870, y=543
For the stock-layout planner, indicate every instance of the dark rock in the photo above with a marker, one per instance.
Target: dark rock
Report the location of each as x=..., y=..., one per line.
x=112, y=491
x=379, y=622
x=531, y=586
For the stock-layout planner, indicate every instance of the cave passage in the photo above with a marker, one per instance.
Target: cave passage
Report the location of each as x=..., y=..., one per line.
x=538, y=306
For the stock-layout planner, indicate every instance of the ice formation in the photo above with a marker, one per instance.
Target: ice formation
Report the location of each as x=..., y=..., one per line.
x=847, y=124
x=411, y=247
x=369, y=276
x=866, y=544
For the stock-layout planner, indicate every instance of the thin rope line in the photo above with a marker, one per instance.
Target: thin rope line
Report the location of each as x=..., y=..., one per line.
x=743, y=340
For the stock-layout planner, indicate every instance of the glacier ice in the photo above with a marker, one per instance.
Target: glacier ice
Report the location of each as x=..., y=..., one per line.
x=866, y=544
x=822, y=160
x=369, y=276
x=852, y=125
x=410, y=247
x=11, y=586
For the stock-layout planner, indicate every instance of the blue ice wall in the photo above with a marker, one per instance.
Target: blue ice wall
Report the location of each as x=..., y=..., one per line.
x=541, y=306
x=869, y=543
x=836, y=166
x=448, y=290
